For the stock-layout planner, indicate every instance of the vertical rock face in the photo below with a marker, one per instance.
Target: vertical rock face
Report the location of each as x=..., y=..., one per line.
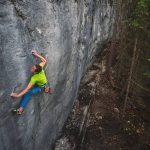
x=68, y=33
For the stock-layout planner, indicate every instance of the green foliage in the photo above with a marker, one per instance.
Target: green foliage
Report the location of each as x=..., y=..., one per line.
x=135, y=23
x=141, y=15
x=147, y=74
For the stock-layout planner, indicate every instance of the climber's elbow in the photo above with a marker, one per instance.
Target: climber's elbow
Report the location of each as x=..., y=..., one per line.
x=44, y=60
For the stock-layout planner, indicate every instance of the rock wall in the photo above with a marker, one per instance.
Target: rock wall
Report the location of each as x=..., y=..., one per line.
x=68, y=33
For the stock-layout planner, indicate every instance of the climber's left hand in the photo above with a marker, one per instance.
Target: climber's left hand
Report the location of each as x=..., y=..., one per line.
x=14, y=95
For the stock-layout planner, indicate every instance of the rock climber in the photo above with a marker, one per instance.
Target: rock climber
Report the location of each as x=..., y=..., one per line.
x=37, y=83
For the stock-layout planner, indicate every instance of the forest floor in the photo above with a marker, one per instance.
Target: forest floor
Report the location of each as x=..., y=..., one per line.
x=96, y=122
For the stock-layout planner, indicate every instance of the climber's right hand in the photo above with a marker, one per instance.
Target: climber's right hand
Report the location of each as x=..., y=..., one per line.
x=33, y=52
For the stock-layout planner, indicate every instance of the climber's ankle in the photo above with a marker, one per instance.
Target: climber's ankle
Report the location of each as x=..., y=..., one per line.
x=21, y=109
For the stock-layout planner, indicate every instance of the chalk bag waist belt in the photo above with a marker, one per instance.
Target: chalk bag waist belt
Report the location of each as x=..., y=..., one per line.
x=47, y=88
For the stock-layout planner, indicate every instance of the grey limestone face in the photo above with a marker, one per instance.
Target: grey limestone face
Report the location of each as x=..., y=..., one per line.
x=69, y=33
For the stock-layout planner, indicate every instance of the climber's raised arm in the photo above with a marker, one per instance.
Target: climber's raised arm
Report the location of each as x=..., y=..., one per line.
x=43, y=60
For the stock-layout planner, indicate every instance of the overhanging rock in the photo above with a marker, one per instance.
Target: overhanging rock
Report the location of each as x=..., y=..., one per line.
x=68, y=33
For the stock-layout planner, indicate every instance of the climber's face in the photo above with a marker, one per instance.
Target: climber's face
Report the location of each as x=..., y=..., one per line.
x=33, y=69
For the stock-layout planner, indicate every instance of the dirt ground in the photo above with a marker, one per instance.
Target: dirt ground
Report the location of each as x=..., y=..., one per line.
x=95, y=122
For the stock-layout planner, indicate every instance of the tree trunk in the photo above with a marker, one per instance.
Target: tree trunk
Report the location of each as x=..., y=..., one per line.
x=130, y=76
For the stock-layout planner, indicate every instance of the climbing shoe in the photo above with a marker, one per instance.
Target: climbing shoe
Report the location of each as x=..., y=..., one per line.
x=16, y=111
